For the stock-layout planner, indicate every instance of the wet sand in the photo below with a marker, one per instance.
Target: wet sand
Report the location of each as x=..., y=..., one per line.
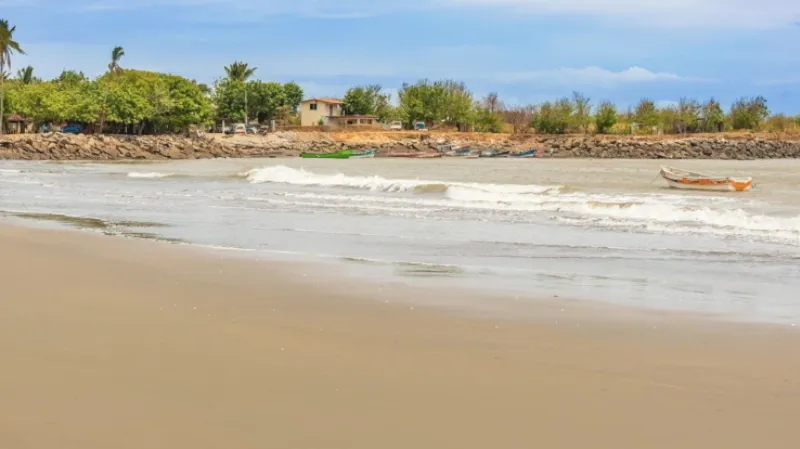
x=107, y=342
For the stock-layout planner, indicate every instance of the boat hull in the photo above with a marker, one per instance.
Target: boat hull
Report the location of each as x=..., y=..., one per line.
x=363, y=155
x=346, y=154
x=417, y=155
x=727, y=186
x=683, y=180
x=526, y=154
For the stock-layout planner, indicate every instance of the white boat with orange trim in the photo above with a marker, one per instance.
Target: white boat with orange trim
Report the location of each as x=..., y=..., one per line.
x=688, y=180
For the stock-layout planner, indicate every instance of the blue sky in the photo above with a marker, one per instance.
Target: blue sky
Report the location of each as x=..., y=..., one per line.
x=527, y=50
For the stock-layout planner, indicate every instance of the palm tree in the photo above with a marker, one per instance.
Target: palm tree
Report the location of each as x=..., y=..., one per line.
x=113, y=69
x=8, y=46
x=241, y=72
x=26, y=75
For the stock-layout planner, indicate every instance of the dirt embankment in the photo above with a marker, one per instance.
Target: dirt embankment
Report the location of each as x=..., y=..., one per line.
x=73, y=147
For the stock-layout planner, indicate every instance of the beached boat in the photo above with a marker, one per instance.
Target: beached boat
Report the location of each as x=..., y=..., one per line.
x=344, y=154
x=363, y=154
x=494, y=153
x=524, y=154
x=473, y=155
x=461, y=152
x=416, y=155
x=688, y=180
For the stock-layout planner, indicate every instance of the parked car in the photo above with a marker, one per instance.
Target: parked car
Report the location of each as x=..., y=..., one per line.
x=72, y=129
x=396, y=126
x=239, y=128
x=252, y=129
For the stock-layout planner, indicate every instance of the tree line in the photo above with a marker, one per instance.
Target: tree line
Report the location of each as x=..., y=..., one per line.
x=137, y=101
x=449, y=103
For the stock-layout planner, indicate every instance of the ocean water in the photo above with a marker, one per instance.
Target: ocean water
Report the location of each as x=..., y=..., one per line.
x=597, y=230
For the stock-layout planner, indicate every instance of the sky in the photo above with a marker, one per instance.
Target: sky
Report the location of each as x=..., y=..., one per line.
x=528, y=51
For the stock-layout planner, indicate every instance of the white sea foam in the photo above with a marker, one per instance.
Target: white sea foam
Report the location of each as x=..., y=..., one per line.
x=8, y=171
x=286, y=175
x=649, y=212
x=148, y=175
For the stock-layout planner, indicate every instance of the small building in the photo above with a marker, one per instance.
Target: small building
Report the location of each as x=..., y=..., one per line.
x=18, y=124
x=316, y=111
x=348, y=121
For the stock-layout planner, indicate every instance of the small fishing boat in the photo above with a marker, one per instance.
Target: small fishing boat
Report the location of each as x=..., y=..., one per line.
x=343, y=154
x=688, y=180
x=363, y=154
x=461, y=152
x=494, y=153
x=524, y=154
x=416, y=155
x=473, y=155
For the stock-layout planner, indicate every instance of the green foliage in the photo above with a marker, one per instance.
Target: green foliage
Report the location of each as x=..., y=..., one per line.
x=240, y=71
x=294, y=95
x=71, y=77
x=487, y=121
x=366, y=100
x=780, y=123
x=441, y=102
x=265, y=100
x=554, y=118
x=646, y=114
x=8, y=46
x=749, y=113
x=712, y=119
x=606, y=117
x=151, y=101
x=25, y=76
x=582, y=114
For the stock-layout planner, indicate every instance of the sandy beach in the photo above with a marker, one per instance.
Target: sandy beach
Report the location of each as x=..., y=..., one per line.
x=109, y=342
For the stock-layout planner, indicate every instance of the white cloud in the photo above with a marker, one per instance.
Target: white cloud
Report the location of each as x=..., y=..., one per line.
x=673, y=13
x=590, y=76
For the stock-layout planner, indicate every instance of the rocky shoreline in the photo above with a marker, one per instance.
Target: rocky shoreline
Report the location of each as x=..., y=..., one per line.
x=81, y=147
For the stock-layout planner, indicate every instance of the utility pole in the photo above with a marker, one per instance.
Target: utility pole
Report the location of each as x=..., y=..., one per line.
x=245, y=107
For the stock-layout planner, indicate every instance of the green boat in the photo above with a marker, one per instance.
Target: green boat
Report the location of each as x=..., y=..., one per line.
x=344, y=154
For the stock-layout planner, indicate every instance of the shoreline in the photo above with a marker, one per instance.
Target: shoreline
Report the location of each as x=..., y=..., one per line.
x=482, y=303
x=56, y=146
x=135, y=344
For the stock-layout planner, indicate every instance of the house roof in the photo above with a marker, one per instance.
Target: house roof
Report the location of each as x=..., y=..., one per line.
x=17, y=118
x=324, y=100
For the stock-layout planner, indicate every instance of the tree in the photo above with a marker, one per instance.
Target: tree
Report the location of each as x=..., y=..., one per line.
x=8, y=46
x=554, y=118
x=366, y=100
x=712, y=119
x=520, y=118
x=25, y=75
x=267, y=99
x=71, y=77
x=487, y=121
x=294, y=95
x=606, y=117
x=582, y=115
x=646, y=114
x=492, y=103
x=240, y=72
x=114, y=70
x=749, y=113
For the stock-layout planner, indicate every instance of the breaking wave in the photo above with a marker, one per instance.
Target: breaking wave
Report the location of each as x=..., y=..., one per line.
x=286, y=175
x=148, y=175
x=660, y=213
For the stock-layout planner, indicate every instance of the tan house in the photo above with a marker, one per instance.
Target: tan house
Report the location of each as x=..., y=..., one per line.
x=316, y=111
x=346, y=121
